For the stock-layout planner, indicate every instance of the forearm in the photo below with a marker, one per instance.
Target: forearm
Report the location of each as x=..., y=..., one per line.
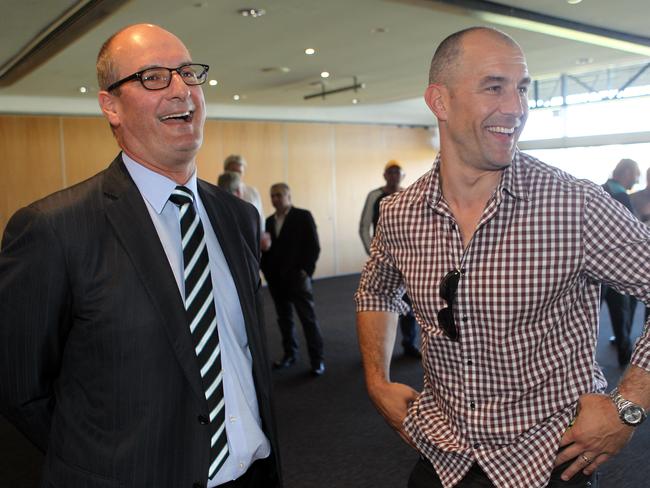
x=376, y=332
x=635, y=386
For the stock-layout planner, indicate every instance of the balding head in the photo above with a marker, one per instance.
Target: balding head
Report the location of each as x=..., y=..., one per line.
x=448, y=55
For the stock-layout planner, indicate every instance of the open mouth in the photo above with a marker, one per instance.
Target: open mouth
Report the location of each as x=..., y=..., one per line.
x=502, y=130
x=180, y=116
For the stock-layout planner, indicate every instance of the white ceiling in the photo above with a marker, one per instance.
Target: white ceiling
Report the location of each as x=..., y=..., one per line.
x=392, y=64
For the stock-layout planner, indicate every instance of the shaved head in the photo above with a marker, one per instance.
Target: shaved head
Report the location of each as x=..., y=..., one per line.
x=449, y=53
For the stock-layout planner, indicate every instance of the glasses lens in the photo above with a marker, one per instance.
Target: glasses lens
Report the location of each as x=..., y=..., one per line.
x=449, y=285
x=156, y=78
x=447, y=323
x=193, y=74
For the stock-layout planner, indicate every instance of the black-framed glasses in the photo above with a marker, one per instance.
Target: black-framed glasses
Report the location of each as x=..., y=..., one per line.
x=159, y=77
x=447, y=290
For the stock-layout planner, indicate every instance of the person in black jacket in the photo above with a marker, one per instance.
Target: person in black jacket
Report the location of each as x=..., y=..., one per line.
x=288, y=266
x=621, y=307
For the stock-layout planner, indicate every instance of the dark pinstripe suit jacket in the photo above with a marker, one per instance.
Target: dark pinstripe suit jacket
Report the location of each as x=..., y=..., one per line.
x=96, y=360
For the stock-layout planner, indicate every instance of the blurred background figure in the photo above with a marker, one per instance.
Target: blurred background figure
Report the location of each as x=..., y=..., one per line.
x=236, y=163
x=393, y=175
x=288, y=267
x=230, y=182
x=641, y=205
x=621, y=307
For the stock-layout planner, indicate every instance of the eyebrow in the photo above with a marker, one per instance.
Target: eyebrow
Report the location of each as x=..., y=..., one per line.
x=502, y=79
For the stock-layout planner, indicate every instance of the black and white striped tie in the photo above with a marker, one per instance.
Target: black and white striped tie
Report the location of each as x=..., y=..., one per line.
x=202, y=316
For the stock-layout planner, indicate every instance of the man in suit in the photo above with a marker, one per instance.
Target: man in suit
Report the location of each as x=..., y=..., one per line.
x=288, y=266
x=131, y=338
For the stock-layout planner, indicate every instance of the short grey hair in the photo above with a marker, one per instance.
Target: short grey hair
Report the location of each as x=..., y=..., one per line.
x=234, y=159
x=229, y=181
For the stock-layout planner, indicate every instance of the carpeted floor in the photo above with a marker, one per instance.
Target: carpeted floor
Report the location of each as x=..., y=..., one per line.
x=331, y=436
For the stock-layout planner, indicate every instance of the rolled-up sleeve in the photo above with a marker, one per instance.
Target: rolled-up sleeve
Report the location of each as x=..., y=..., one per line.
x=617, y=253
x=381, y=287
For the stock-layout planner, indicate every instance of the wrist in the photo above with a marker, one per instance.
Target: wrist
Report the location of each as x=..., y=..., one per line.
x=629, y=412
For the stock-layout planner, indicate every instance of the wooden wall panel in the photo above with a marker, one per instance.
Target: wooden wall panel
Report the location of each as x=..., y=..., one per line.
x=30, y=154
x=413, y=147
x=330, y=167
x=88, y=147
x=360, y=157
x=310, y=175
x=263, y=144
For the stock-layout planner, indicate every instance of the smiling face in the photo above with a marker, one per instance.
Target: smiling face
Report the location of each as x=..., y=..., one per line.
x=483, y=106
x=161, y=129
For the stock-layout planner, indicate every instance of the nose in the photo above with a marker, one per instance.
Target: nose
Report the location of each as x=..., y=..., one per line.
x=177, y=87
x=514, y=103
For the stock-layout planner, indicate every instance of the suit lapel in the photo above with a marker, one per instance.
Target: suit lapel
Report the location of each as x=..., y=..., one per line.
x=127, y=213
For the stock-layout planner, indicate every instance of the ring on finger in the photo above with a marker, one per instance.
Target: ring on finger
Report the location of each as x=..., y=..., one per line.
x=586, y=459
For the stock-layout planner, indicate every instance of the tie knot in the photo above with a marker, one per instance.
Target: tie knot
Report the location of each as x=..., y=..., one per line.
x=181, y=196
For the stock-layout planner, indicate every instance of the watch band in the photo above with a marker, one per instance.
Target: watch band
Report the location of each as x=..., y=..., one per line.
x=630, y=413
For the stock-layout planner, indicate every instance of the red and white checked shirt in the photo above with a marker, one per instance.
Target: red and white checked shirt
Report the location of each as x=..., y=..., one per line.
x=527, y=311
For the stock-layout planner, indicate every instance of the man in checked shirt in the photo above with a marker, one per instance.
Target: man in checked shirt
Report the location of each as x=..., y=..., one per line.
x=503, y=257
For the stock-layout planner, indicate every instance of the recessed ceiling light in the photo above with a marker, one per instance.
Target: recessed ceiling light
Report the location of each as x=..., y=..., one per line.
x=213, y=82
x=573, y=2
x=236, y=98
x=276, y=69
x=83, y=89
x=309, y=51
x=251, y=12
x=325, y=74
x=355, y=101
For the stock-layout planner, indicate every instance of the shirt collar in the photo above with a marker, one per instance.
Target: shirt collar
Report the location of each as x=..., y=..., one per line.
x=513, y=181
x=154, y=187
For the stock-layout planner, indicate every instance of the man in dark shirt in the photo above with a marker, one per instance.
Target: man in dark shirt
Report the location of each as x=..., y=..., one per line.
x=288, y=266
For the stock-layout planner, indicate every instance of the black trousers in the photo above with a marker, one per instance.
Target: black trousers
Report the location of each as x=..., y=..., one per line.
x=621, y=312
x=424, y=476
x=295, y=289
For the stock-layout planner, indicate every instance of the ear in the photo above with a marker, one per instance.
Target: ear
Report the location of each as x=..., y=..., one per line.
x=435, y=96
x=109, y=107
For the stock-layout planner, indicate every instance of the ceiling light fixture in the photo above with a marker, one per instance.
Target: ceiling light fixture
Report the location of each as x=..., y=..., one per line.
x=236, y=98
x=213, y=82
x=323, y=93
x=251, y=12
x=355, y=101
x=573, y=2
x=83, y=89
x=310, y=51
x=325, y=74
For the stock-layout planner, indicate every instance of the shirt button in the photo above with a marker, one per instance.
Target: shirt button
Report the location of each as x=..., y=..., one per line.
x=465, y=318
x=203, y=420
x=477, y=445
x=232, y=418
x=470, y=362
x=241, y=465
x=472, y=405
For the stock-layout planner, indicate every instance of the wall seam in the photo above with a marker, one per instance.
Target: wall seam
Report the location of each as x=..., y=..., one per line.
x=64, y=177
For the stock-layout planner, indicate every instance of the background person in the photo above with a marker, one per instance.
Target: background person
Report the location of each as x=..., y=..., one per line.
x=393, y=175
x=288, y=267
x=621, y=306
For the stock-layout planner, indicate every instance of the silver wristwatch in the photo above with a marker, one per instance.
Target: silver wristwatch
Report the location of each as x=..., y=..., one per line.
x=630, y=413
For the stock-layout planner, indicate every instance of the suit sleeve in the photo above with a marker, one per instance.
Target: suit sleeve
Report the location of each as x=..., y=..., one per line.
x=311, y=245
x=34, y=306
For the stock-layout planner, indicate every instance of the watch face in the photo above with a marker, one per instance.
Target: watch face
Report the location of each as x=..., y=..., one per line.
x=632, y=415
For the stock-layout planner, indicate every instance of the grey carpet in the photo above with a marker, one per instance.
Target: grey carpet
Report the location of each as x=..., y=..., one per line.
x=330, y=434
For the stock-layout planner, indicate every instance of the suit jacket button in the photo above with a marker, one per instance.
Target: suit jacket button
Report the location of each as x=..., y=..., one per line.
x=203, y=420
